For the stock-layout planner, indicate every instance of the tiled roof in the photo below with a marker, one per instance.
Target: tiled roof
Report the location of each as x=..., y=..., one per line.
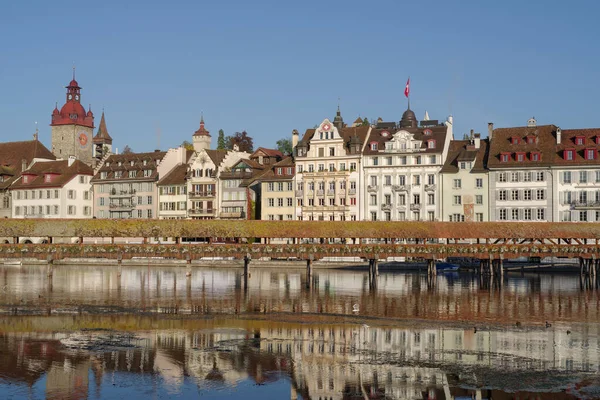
x=460, y=150
x=12, y=154
x=438, y=133
x=268, y=152
x=270, y=175
x=176, y=176
x=111, y=165
x=217, y=156
x=568, y=137
x=102, y=135
x=544, y=142
x=64, y=172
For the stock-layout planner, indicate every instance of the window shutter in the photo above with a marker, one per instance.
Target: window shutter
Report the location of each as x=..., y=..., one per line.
x=520, y=195
x=520, y=213
x=497, y=194
x=520, y=177
x=575, y=177
x=575, y=217
x=561, y=177
x=561, y=198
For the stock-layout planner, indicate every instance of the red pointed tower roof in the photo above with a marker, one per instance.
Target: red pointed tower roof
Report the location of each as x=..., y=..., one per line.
x=201, y=131
x=72, y=112
x=102, y=135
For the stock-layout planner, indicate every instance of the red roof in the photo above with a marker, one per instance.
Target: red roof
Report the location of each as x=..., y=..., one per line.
x=72, y=112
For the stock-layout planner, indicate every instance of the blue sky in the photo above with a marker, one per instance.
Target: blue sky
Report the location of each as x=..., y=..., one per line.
x=269, y=67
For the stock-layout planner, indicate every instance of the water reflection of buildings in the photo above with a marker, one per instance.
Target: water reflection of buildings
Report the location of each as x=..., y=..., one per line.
x=453, y=297
x=322, y=361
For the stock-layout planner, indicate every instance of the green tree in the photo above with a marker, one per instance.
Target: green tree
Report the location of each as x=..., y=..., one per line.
x=284, y=145
x=221, y=143
x=243, y=141
x=366, y=122
x=187, y=145
x=127, y=149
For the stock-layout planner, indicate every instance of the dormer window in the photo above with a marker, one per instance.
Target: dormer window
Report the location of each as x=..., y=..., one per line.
x=119, y=163
x=118, y=174
x=427, y=132
x=504, y=157
x=373, y=145
x=597, y=139
x=590, y=154
x=579, y=140
x=279, y=171
x=431, y=144
x=131, y=163
x=108, y=164
x=530, y=139
x=520, y=156
x=145, y=162
x=25, y=178
x=47, y=178
x=514, y=140
x=569, y=154
x=103, y=175
x=535, y=156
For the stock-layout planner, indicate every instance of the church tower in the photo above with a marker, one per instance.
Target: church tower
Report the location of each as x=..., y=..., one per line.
x=201, y=139
x=102, y=140
x=72, y=127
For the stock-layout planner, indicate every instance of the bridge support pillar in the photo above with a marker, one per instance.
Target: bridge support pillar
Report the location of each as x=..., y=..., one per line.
x=119, y=258
x=431, y=269
x=501, y=266
x=247, y=259
x=188, y=268
x=373, y=272
x=309, y=269
x=49, y=266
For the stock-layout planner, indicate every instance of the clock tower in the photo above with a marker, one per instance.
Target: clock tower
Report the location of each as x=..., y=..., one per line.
x=72, y=127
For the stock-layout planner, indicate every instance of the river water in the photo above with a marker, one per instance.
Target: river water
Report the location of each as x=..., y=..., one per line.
x=87, y=332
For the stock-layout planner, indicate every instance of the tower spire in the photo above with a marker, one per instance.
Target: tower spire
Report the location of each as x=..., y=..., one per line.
x=73, y=71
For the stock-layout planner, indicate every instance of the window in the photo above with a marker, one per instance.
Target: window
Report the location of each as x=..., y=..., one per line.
x=514, y=195
x=540, y=194
x=401, y=216
x=416, y=199
x=431, y=144
x=514, y=140
x=514, y=177
x=479, y=183
x=416, y=180
x=430, y=199
x=514, y=214
x=535, y=156
x=55, y=210
x=311, y=168
x=456, y=184
x=342, y=201
x=539, y=176
x=502, y=214
x=387, y=199
x=501, y=176
x=149, y=201
x=17, y=210
x=332, y=151
x=402, y=199
x=33, y=194
x=331, y=167
x=583, y=177
x=342, y=166
x=527, y=214
x=86, y=195
x=504, y=157
x=583, y=216
x=527, y=176
x=402, y=180
x=71, y=210
x=388, y=161
x=597, y=176
x=353, y=166
x=590, y=154
x=373, y=180
x=403, y=160
x=270, y=186
x=47, y=178
x=527, y=194
x=375, y=160
x=530, y=139
x=103, y=175
x=418, y=160
x=569, y=154
x=321, y=167
x=280, y=186
x=567, y=176
x=373, y=200
x=352, y=201
x=290, y=202
x=71, y=194
x=431, y=179
x=432, y=159
x=479, y=217
x=321, y=152
x=311, y=202
x=373, y=216
x=271, y=202
x=478, y=199
x=579, y=140
x=457, y=200
x=373, y=146
x=502, y=195
x=280, y=202
x=387, y=180
x=541, y=213
x=321, y=202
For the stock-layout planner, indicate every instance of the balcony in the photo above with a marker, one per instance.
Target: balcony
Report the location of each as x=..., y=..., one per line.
x=200, y=211
x=578, y=204
x=372, y=188
x=299, y=193
x=121, y=193
x=121, y=207
x=416, y=185
x=386, y=207
x=331, y=192
x=342, y=192
x=325, y=208
x=415, y=207
x=399, y=188
x=197, y=195
x=430, y=188
x=352, y=191
x=320, y=193
x=232, y=214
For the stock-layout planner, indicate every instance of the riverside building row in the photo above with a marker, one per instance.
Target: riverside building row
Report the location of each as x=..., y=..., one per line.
x=408, y=170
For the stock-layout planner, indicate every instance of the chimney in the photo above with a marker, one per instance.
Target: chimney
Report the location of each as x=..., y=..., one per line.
x=490, y=130
x=294, y=139
x=71, y=160
x=558, y=135
x=477, y=140
x=23, y=165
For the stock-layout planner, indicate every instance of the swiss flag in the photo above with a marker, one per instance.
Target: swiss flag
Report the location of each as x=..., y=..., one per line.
x=407, y=88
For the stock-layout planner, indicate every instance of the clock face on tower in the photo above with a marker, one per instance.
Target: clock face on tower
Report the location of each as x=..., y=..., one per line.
x=83, y=139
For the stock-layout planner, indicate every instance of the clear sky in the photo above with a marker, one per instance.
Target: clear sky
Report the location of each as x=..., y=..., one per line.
x=269, y=67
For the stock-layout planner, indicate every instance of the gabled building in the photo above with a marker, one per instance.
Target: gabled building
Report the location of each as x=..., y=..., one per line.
x=53, y=189
x=521, y=178
x=576, y=175
x=16, y=157
x=102, y=141
x=401, y=167
x=464, y=181
x=328, y=182
x=125, y=186
x=277, y=191
x=237, y=200
x=172, y=184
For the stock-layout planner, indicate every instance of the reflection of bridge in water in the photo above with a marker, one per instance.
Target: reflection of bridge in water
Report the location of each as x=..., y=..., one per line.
x=462, y=297
x=326, y=361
